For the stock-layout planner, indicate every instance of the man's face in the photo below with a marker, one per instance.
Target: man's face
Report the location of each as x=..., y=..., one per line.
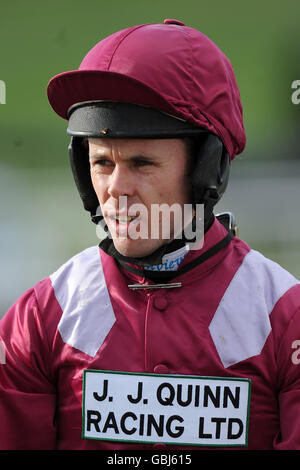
x=141, y=173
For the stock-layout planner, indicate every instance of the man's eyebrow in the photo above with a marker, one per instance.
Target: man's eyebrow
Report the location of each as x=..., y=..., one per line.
x=95, y=155
x=142, y=157
x=101, y=154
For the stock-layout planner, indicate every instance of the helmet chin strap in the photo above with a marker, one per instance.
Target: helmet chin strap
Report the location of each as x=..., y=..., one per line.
x=156, y=257
x=162, y=279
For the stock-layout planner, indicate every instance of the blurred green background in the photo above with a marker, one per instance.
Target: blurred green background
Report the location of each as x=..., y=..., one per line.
x=42, y=223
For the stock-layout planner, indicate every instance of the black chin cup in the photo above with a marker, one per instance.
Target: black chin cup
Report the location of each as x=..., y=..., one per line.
x=210, y=173
x=80, y=165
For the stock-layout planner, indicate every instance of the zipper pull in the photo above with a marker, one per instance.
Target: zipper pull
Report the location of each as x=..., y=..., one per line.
x=155, y=286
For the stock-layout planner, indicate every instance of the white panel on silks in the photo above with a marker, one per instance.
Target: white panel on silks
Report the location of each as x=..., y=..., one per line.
x=82, y=294
x=241, y=324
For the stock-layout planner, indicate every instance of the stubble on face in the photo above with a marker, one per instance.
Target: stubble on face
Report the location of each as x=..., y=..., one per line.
x=147, y=172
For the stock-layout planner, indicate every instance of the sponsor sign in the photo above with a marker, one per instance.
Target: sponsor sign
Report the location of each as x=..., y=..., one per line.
x=173, y=409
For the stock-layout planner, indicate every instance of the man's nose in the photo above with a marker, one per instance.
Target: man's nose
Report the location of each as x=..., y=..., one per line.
x=121, y=183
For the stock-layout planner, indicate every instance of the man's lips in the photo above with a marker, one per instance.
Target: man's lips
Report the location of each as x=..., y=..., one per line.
x=123, y=219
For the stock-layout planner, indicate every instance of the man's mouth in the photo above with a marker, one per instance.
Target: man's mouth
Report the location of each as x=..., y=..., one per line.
x=124, y=219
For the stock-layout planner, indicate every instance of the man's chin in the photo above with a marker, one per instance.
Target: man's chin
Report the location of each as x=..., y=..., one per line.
x=136, y=248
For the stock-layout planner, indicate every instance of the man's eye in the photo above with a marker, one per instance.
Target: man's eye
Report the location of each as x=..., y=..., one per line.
x=140, y=162
x=101, y=162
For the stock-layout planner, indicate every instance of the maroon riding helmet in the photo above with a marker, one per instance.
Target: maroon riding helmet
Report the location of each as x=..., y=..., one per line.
x=154, y=81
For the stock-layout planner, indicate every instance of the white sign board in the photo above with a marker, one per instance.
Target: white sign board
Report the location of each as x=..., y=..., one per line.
x=174, y=409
